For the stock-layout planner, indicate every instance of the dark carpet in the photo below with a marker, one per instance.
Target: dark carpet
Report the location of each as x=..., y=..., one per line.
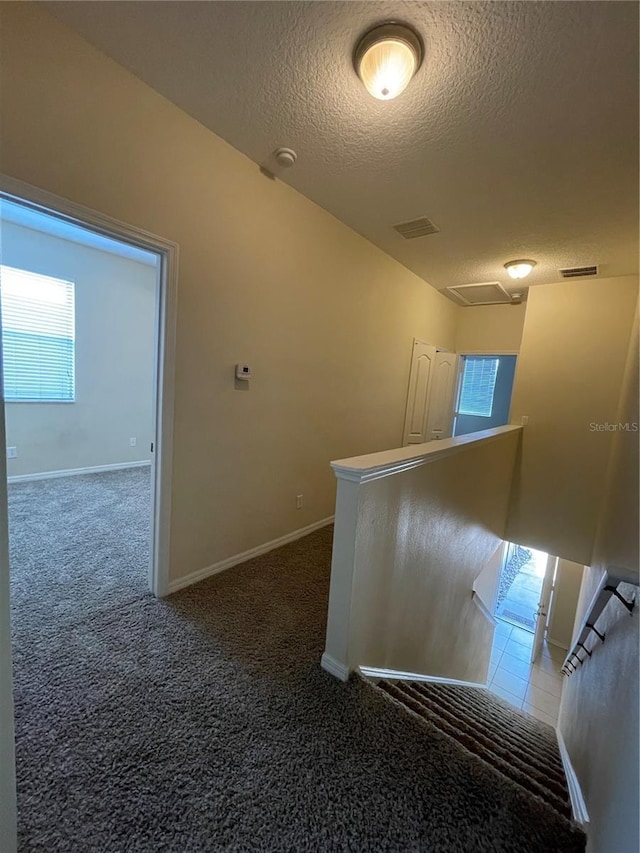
x=204, y=722
x=517, y=745
x=79, y=546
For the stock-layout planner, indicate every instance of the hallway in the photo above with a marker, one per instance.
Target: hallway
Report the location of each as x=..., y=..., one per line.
x=204, y=722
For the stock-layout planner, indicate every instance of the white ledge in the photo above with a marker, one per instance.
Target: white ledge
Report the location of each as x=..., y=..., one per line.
x=373, y=466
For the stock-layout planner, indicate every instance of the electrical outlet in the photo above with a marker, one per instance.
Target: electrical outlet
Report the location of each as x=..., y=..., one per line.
x=525, y=420
x=12, y=452
x=133, y=442
x=299, y=501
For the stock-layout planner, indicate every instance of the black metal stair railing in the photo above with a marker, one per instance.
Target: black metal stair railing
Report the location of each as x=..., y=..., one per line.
x=607, y=588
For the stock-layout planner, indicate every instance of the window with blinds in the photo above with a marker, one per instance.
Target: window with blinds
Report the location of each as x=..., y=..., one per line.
x=38, y=337
x=478, y=384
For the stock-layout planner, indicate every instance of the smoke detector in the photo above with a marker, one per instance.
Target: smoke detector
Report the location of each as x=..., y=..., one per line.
x=285, y=157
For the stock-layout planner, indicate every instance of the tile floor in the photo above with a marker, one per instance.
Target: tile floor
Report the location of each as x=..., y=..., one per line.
x=533, y=688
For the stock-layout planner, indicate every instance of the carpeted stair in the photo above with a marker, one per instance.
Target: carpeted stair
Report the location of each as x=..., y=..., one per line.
x=521, y=748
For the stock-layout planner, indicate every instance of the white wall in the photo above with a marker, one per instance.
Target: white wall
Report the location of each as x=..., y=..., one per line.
x=568, y=377
x=325, y=319
x=564, y=603
x=487, y=584
x=115, y=325
x=599, y=713
x=408, y=548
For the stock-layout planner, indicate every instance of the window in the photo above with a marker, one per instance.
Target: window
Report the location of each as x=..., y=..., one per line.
x=478, y=384
x=38, y=337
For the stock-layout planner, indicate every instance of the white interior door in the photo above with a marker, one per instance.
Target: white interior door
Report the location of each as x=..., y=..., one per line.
x=542, y=613
x=441, y=399
x=422, y=365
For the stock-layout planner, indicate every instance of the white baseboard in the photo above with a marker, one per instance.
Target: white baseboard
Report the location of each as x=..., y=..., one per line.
x=578, y=805
x=399, y=675
x=229, y=562
x=334, y=667
x=72, y=472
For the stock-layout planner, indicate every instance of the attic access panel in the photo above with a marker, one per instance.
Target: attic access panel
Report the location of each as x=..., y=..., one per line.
x=483, y=293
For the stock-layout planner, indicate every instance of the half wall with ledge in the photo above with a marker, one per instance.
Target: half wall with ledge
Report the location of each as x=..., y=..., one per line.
x=415, y=527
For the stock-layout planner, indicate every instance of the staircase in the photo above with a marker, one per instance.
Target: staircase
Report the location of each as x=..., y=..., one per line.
x=521, y=748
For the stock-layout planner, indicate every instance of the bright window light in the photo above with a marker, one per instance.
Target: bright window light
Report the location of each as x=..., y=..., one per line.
x=478, y=384
x=38, y=337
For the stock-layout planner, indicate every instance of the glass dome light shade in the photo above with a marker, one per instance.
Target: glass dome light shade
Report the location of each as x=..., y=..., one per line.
x=386, y=68
x=519, y=269
x=386, y=59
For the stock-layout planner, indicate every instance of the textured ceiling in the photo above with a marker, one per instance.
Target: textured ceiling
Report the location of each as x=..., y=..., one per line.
x=518, y=137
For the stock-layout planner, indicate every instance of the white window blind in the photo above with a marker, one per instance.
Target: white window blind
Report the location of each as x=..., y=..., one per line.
x=478, y=384
x=38, y=337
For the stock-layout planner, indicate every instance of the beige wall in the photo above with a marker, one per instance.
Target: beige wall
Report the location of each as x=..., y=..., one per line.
x=490, y=329
x=325, y=319
x=569, y=375
x=599, y=714
x=407, y=550
x=115, y=325
x=566, y=592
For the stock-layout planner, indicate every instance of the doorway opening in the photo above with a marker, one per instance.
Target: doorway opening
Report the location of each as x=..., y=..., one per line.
x=49, y=365
x=88, y=317
x=484, y=392
x=520, y=586
x=525, y=663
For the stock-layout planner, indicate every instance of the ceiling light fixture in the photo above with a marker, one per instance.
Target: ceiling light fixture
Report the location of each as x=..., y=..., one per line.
x=519, y=269
x=386, y=58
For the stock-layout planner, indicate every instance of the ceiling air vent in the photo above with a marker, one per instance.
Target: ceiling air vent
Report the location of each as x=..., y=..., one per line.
x=578, y=272
x=484, y=293
x=416, y=228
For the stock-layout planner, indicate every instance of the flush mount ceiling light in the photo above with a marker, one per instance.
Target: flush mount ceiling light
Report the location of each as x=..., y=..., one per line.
x=386, y=58
x=519, y=269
